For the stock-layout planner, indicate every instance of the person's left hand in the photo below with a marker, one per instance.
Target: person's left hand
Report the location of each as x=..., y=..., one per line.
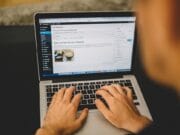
x=122, y=113
x=61, y=118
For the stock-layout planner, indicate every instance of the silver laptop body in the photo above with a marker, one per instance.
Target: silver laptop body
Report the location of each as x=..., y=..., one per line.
x=86, y=49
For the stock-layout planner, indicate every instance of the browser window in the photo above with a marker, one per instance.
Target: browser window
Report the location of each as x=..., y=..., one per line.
x=89, y=45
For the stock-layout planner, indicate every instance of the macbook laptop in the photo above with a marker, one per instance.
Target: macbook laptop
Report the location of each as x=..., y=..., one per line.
x=88, y=51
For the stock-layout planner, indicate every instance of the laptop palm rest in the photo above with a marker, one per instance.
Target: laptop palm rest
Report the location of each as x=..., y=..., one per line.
x=97, y=124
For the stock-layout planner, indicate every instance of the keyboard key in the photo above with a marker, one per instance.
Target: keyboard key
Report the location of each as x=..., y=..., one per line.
x=122, y=84
x=136, y=103
x=49, y=99
x=92, y=82
x=48, y=90
x=128, y=84
x=91, y=86
x=77, y=92
x=132, y=90
x=74, y=84
x=61, y=85
x=55, y=85
x=85, y=87
x=86, y=96
x=48, y=86
x=89, y=91
x=102, y=85
x=92, y=96
x=104, y=82
x=98, y=86
x=55, y=89
x=116, y=81
x=84, y=101
x=98, y=82
x=48, y=94
x=110, y=82
x=90, y=101
x=67, y=85
x=84, y=92
x=79, y=87
x=89, y=106
x=128, y=81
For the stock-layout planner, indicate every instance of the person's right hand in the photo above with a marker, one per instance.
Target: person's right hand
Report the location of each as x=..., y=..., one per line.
x=62, y=117
x=122, y=112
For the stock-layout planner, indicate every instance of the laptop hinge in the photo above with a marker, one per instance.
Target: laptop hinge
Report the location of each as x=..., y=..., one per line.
x=70, y=79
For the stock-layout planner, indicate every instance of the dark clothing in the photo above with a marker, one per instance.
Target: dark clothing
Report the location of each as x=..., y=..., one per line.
x=167, y=122
x=157, y=130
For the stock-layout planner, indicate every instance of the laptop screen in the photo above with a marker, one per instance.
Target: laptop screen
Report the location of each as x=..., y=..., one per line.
x=87, y=45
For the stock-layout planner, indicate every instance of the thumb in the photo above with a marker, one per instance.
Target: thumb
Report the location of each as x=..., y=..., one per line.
x=82, y=117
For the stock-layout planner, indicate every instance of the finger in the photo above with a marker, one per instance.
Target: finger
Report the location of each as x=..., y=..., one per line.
x=129, y=93
x=101, y=106
x=119, y=88
x=60, y=93
x=103, y=109
x=68, y=94
x=105, y=95
x=112, y=90
x=76, y=100
x=53, y=100
x=130, y=97
x=82, y=117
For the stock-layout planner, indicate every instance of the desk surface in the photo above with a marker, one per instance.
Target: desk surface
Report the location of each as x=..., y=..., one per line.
x=19, y=84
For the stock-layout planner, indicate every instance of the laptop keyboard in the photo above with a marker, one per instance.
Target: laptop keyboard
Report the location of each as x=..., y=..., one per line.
x=88, y=90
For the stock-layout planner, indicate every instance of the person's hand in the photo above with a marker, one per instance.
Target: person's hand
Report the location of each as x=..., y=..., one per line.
x=122, y=112
x=62, y=118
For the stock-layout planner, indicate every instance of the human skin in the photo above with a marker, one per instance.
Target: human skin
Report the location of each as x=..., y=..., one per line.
x=62, y=118
x=119, y=99
x=159, y=35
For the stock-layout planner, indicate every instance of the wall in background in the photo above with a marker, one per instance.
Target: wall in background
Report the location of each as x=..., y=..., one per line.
x=10, y=3
x=23, y=14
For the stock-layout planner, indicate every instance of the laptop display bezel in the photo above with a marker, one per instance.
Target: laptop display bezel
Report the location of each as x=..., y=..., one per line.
x=79, y=15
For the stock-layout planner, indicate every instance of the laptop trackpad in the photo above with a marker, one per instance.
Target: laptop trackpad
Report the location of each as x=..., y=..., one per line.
x=96, y=124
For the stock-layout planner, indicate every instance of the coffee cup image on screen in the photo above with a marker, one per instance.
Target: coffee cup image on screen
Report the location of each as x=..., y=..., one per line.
x=64, y=55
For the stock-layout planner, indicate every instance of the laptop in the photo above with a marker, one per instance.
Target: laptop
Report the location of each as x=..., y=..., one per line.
x=88, y=51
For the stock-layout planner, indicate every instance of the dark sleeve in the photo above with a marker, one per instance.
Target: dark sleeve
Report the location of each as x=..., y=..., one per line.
x=155, y=129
